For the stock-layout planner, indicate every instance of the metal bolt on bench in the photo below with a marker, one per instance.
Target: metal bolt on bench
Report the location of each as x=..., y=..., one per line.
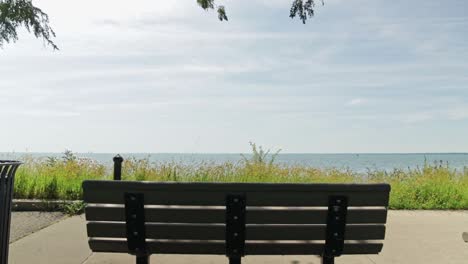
x=7, y=176
x=235, y=219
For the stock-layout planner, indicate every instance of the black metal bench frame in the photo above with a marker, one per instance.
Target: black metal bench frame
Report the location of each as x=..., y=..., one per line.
x=235, y=227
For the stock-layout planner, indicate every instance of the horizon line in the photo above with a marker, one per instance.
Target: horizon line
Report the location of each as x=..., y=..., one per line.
x=242, y=153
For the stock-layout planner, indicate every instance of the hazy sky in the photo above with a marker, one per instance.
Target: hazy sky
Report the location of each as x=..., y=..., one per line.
x=166, y=76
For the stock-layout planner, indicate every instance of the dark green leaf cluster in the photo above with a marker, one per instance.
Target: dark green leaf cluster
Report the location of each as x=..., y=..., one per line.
x=206, y=4
x=222, y=13
x=303, y=9
x=22, y=13
x=210, y=4
x=17, y=13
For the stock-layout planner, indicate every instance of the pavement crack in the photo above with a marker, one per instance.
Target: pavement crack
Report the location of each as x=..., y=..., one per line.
x=371, y=260
x=87, y=258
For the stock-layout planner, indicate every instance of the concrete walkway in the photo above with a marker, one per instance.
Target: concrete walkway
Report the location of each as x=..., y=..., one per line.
x=26, y=223
x=412, y=237
x=62, y=243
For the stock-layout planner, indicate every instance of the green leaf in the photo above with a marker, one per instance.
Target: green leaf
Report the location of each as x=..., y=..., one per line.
x=206, y=4
x=22, y=13
x=302, y=9
x=222, y=13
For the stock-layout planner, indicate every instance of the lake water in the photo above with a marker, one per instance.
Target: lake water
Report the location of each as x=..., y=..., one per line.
x=355, y=162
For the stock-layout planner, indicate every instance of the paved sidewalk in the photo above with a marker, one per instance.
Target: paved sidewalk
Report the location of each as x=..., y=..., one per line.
x=427, y=237
x=26, y=223
x=62, y=243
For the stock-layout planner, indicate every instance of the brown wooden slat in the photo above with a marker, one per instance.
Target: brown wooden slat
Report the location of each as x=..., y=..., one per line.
x=253, y=232
x=215, y=193
x=172, y=247
x=302, y=232
x=249, y=187
x=254, y=216
x=305, y=248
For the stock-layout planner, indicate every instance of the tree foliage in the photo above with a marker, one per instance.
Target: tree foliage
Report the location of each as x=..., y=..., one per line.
x=22, y=13
x=301, y=8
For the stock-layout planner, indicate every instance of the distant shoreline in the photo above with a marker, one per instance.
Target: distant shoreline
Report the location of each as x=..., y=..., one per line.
x=360, y=162
x=238, y=153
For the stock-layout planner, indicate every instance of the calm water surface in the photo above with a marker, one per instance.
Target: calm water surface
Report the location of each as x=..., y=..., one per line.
x=355, y=162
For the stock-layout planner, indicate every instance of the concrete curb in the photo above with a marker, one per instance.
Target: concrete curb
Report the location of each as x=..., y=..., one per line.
x=41, y=205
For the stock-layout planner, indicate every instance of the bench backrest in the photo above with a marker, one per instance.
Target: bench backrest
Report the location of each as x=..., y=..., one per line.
x=190, y=218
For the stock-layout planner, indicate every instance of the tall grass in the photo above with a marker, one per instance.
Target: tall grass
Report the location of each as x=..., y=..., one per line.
x=434, y=186
x=55, y=178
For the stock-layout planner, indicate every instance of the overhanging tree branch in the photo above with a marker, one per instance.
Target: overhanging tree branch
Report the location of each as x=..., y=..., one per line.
x=302, y=8
x=22, y=13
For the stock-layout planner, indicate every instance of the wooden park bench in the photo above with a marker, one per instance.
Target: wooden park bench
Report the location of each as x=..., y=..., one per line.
x=235, y=219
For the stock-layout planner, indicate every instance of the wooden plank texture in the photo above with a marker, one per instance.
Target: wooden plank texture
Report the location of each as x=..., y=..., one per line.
x=253, y=232
x=213, y=248
x=254, y=216
x=215, y=193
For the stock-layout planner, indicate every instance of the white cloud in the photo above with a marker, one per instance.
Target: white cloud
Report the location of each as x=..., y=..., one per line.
x=412, y=118
x=357, y=102
x=163, y=68
x=38, y=113
x=458, y=113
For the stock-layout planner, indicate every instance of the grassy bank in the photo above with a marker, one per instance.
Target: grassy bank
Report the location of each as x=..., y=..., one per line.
x=434, y=186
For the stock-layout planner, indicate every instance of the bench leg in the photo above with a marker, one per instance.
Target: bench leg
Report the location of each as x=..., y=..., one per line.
x=328, y=260
x=234, y=260
x=143, y=259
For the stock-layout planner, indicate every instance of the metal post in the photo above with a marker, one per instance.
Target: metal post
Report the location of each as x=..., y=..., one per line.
x=336, y=227
x=135, y=226
x=328, y=260
x=143, y=259
x=118, y=167
x=234, y=260
x=235, y=227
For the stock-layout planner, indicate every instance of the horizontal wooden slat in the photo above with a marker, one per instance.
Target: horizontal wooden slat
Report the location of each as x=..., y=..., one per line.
x=215, y=193
x=249, y=187
x=254, y=216
x=253, y=232
x=171, y=247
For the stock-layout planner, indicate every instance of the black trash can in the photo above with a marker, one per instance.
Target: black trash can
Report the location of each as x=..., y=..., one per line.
x=7, y=177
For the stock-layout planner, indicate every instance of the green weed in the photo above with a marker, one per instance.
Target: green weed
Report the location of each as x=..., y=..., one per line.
x=434, y=186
